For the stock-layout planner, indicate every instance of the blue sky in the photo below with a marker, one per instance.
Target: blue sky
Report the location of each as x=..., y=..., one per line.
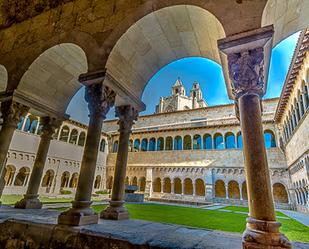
x=206, y=72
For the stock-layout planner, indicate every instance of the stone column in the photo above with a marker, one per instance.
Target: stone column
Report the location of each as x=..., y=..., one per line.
x=100, y=99
x=240, y=191
x=248, y=60
x=162, y=186
x=172, y=188
x=11, y=114
x=116, y=211
x=31, y=200
x=226, y=191
x=183, y=187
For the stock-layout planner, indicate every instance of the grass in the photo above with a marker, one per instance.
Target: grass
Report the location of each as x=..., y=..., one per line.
x=207, y=219
x=246, y=209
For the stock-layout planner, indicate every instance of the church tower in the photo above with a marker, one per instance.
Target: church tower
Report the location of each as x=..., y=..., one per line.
x=178, y=88
x=197, y=96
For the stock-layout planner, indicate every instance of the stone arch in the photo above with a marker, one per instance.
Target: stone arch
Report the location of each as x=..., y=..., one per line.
x=102, y=145
x=178, y=143
x=109, y=183
x=177, y=186
x=280, y=193
x=82, y=138
x=97, y=182
x=22, y=177
x=134, y=181
x=65, y=179
x=220, y=191
x=197, y=142
x=144, y=145
x=160, y=144
x=233, y=190
x=188, y=186
x=64, y=133
x=230, y=140
x=167, y=186
x=136, y=145
x=199, y=187
x=152, y=144
x=218, y=141
x=48, y=178
x=73, y=136
x=10, y=171
x=207, y=142
x=127, y=181
x=142, y=184
x=115, y=146
x=239, y=140
x=73, y=181
x=244, y=191
x=270, y=139
x=169, y=143
x=157, y=185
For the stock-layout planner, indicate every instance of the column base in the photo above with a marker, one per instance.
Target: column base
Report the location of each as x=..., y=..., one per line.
x=29, y=202
x=261, y=234
x=115, y=211
x=80, y=214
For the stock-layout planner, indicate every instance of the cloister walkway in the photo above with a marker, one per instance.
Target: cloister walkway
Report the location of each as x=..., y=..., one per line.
x=120, y=234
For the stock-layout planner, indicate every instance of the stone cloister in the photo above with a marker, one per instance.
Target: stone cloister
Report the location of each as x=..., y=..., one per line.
x=49, y=50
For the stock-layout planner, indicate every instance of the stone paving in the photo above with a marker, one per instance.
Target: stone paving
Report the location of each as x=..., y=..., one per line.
x=136, y=232
x=300, y=217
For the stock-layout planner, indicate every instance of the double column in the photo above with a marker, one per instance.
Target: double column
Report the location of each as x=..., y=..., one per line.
x=116, y=211
x=31, y=200
x=11, y=114
x=248, y=59
x=100, y=98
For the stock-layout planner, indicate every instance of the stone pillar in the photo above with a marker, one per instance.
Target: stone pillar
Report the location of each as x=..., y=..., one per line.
x=183, y=187
x=248, y=60
x=100, y=98
x=11, y=114
x=116, y=211
x=162, y=186
x=31, y=200
x=193, y=188
x=148, y=186
x=172, y=188
x=240, y=191
x=226, y=191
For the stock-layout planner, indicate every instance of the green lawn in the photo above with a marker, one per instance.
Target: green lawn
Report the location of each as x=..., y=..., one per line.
x=246, y=209
x=208, y=219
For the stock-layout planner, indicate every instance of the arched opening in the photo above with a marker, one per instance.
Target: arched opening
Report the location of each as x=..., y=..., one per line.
x=81, y=139
x=31, y=124
x=280, y=193
x=22, y=177
x=207, y=140
x=115, y=147
x=137, y=145
x=152, y=144
x=219, y=144
x=73, y=181
x=73, y=136
x=169, y=143
x=233, y=189
x=102, y=145
x=230, y=141
x=178, y=143
x=244, y=191
x=134, y=181
x=177, y=186
x=142, y=184
x=197, y=142
x=167, y=187
x=64, y=133
x=65, y=179
x=48, y=178
x=199, y=187
x=239, y=140
x=109, y=183
x=220, y=191
x=9, y=174
x=127, y=182
x=187, y=142
x=188, y=187
x=97, y=182
x=160, y=144
x=130, y=149
x=270, y=140
x=157, y=185
x=144, y=146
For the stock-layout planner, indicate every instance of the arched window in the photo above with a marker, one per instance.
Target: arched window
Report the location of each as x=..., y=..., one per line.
x=199, y=187
x=33, y=126
x=134, y=181
x=167, y=187
x=207, y=142
x=187, y=142
x=144, y=146
x=115, y=147
x=239, y=140
x=301, y=104
x=73, y=181
x=127, y=182
x=102, y=145
x=197, y=142
x=97, y=182
x=64, y=134
x=152, y=144
x=109, y=183
x=130, y=145
x=22, y=177
x=9, y=174
x=136, y=145
x=73, y=136
x=244, y=191
x=220, y=191
x=233, y=189
x=188, y=186
x=280, y=194
x=160, y=143
x=219, y=144
x=269, y=137
x=65, y=179
x=82, y=138
x=306, y=95
x=169, y=143
x=177, y=186
x=157, y=185
x=178, y=143
x=142, y=184
x=230, y=141
x=48, y=178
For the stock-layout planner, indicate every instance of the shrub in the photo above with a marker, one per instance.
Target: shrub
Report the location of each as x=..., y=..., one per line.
x=65, y=192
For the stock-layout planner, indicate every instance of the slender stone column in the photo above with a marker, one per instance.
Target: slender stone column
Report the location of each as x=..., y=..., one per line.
x=226, y=191
x=247, y=56
x=172, y=187
x=99, y=99
x=116, y=211
x=31, y=200
x=11, y=114
x=162, y=186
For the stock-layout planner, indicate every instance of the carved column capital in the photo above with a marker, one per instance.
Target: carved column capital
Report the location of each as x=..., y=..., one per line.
x=127, y=115
x=99, y=98
x=49, y=125
x=12, y=112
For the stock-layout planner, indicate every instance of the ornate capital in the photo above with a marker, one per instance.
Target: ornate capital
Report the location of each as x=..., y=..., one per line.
x=127, y=115
x=49, y=125
x=246, y=71
x=12, y=112
x=100, y=99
